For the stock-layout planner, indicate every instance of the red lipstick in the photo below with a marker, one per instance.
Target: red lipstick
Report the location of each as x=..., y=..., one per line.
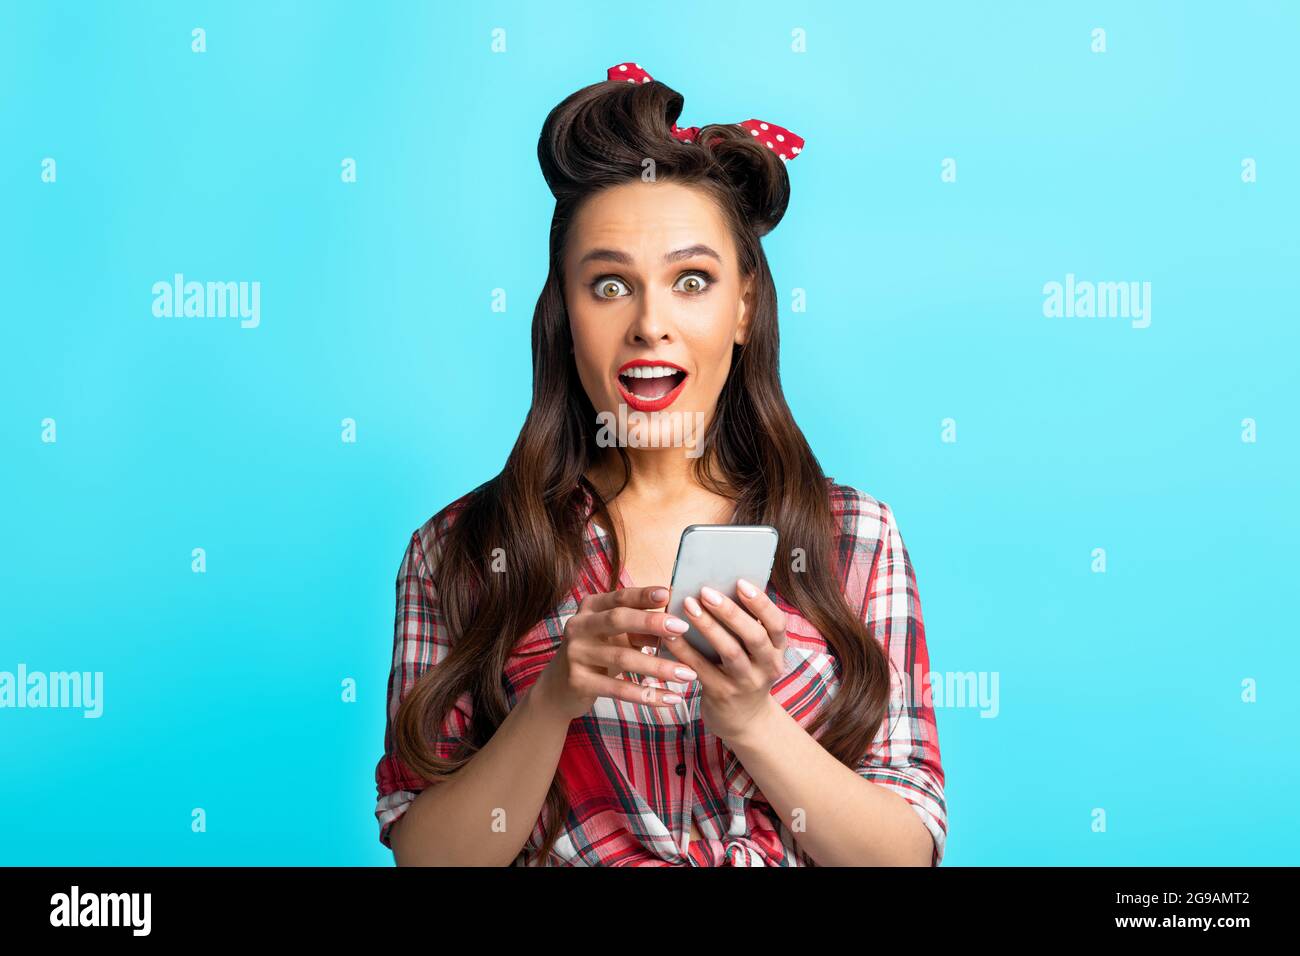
x=644, y=404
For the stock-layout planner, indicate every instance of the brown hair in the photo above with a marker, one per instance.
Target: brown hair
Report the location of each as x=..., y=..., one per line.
x=601, y=136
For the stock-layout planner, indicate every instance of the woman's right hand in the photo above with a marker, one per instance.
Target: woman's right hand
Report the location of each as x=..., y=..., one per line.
x=597, y=642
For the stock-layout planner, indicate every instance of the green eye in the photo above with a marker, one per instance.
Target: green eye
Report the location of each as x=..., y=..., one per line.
x=695, y=282
x=607, y=287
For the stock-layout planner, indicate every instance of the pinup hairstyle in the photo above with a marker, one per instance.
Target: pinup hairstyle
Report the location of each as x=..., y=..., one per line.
x=598, y=137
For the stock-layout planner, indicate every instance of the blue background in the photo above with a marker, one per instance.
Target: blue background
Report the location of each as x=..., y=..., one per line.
x=222, y=690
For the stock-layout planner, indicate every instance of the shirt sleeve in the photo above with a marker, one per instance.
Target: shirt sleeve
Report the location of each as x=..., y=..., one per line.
x=905, y=756
x=420, y=641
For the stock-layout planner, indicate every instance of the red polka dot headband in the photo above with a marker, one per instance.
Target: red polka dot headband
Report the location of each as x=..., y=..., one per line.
x=780, y=140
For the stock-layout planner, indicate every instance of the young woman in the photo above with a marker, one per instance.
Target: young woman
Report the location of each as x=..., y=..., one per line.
x=529, y=721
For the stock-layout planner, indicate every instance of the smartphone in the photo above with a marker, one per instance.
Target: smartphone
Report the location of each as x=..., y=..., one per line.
x=718, y=555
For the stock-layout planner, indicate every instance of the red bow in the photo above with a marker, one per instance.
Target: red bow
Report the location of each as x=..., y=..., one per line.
x=784, y=143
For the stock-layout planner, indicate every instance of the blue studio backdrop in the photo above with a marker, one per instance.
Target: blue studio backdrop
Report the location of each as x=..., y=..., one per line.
x=1037, y=285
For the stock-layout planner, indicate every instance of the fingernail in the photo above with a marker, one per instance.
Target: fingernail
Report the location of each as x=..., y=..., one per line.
x=710, y=595
x=659, y=594
x=693, y=606
x=746, y=588
x=676, y=624
x=671, y=699
x=685, y=673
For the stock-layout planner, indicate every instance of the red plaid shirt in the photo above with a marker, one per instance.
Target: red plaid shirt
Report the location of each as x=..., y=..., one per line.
x=635, y=775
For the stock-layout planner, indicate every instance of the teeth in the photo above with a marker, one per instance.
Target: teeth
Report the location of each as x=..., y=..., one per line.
x=648, y=371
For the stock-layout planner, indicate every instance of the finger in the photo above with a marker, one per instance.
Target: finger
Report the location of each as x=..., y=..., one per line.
x=588, y=622
x=710, y=675
x=638, y=662
x=753, y=636
x=735, y=660
x=632, y=693
x=647, y=597
x=764, y=608
x=620, y=620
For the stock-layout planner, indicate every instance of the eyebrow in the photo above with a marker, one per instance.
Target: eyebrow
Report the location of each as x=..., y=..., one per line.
x=614, y=255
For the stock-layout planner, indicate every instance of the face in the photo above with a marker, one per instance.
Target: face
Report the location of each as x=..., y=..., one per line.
x=653, y=286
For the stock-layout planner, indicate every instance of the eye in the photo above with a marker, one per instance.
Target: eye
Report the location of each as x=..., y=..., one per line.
x=699, y=282
x=606, y=287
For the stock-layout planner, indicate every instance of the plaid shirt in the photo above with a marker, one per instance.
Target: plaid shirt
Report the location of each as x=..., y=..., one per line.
x=637, y=776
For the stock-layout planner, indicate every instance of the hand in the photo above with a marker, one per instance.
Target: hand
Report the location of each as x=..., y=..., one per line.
x=751, y=642
x=598, y=644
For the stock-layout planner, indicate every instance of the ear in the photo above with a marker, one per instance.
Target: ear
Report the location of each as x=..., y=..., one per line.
x=745, y=309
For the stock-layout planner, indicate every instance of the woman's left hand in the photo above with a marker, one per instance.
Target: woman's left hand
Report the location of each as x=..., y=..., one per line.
x=751, y=642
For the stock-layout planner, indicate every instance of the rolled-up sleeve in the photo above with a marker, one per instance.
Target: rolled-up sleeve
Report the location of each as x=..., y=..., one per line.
x=420, y=641
x=905, y=754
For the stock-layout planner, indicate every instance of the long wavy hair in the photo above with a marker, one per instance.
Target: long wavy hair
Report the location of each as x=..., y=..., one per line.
x=755, y=454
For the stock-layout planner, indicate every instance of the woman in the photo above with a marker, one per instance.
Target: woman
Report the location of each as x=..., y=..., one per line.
x=529, y=722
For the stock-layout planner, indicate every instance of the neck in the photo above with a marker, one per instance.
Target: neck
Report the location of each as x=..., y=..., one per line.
x=658, y=476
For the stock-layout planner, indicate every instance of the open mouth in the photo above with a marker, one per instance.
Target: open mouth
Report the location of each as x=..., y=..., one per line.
x=649, y=387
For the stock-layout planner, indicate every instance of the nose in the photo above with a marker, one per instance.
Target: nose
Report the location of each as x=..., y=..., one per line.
x=651, y=323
